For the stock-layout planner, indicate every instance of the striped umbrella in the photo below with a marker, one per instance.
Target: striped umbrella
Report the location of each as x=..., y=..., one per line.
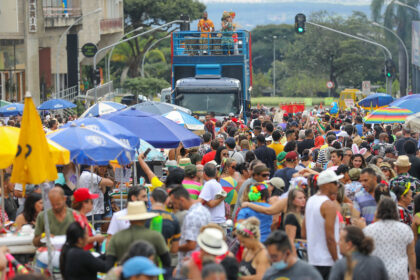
x=388, y=115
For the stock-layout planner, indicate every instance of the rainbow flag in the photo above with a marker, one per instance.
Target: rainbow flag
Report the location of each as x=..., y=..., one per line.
x=388, y=115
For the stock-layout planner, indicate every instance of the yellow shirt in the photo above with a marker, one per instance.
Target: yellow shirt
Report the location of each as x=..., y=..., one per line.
x=156, y=183
x=205, y=26
x=277, y=147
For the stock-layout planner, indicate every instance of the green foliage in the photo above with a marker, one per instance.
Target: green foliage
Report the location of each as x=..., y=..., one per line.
x=305, y=63
x=261, y=83
x=152, y=13
x=145, y=86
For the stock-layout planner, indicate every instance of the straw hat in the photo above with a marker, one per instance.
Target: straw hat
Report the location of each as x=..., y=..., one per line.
x=211, y=241
x=403, y=161
x=136, y=211
x=184, y=162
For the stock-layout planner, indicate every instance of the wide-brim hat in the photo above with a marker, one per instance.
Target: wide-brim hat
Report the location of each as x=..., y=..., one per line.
x=184, y=162
x=403, y=161
x=211, y=241
x=137, y=211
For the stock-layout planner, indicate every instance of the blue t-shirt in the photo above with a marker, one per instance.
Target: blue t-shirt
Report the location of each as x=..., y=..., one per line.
x=265, y=220
x=359, y=128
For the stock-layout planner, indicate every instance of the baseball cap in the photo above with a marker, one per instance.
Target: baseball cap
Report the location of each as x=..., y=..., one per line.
x=328, y=176
x=260, y=168
x=342, y=134
x=354, y=174
x=231, y=114
x=291, y=156
x=141, y=266
x=170, y=165
x=190, y=170
x=230, y=141
x=277, y=182
x=83, y=194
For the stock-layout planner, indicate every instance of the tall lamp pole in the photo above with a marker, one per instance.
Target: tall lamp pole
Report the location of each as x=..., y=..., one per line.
x=274, y=65
x=60, y=41
x=407, y=74
x=123, y=41
x=110, y=53
x=148, y=49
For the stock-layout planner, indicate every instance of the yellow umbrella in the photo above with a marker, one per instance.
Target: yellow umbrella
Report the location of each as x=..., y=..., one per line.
x=33, y=163
x=9, y=137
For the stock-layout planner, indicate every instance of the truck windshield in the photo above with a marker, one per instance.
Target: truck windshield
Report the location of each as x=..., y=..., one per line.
x=200, y=103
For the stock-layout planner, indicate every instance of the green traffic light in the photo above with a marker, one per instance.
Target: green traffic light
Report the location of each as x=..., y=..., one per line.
x=300, y=29
x=388, y=74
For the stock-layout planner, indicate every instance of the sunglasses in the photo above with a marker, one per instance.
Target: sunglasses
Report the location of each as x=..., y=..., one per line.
x=233, y=167
x=225, y=154
x=265, y=175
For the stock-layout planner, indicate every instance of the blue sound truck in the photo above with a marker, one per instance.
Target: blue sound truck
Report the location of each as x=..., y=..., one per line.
x=211, y=72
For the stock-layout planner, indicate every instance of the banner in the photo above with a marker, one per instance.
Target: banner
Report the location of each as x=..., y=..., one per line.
x=415, y=43
x=328, y=101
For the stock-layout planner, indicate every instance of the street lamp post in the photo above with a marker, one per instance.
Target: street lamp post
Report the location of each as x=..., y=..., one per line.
x=407, y=74
x=57, y=82
x=405, y=5
x=110, y=53
x=123, y=41
x=274, y=65
x=357, y=38
x=148, y=49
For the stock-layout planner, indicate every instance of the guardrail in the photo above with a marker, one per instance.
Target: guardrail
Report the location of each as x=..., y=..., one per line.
x=50, y=12
x=187, y=43
x=101, y=90
x=68, y=94
x=110, y=24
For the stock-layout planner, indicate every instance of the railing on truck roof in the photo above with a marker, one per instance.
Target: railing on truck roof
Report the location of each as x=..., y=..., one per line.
x=195, y=43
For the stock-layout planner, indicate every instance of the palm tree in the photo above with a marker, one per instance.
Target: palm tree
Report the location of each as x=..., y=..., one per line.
x=397, y=18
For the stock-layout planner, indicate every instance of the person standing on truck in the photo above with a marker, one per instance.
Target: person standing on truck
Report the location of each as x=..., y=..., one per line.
x=227, y=31
x=205, y=26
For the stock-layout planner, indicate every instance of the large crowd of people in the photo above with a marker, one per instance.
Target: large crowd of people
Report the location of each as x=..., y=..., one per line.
x=308, y=195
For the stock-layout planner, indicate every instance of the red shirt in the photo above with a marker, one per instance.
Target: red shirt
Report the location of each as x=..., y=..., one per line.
x=208, y=157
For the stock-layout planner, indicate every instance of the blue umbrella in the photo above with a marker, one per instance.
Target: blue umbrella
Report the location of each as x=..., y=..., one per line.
x=108, y=127
x=376, y=100
x=11, y=109
x=56, y=104
x=157, y=130
x=154, y=154
x=91, y=147
x=159, y=108
x=410, y=102
x=185, y=120
x=102, y=108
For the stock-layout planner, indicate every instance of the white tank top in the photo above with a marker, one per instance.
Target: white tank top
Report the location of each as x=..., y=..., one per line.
x=318, y=253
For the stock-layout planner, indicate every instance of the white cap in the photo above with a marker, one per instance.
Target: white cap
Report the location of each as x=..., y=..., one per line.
x=231, y=114
x=342, y=134
x=328, y=176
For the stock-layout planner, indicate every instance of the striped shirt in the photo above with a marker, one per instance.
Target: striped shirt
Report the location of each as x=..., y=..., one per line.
x=193, y=187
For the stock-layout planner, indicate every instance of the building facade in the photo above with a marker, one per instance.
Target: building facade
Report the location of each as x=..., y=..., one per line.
x=31, y=52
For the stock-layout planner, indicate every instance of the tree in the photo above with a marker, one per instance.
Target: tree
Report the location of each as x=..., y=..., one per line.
x=399, y=18
x=151, y=13
x=145, y=86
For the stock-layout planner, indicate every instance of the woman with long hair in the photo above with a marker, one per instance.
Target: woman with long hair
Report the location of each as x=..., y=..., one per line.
x=358, y=263
x=394, y=241
x=32, y=207
x=257, y=194
x=221, y=153
x=357, y=161
x=255, y=261
x=83, y=202
x=415, y=226
x=292, y=220
x=76, y=263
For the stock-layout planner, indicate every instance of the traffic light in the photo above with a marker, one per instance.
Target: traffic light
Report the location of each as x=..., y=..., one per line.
x=390, y=69
x=300, y=20
x=184, y=26
x=96, y=77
